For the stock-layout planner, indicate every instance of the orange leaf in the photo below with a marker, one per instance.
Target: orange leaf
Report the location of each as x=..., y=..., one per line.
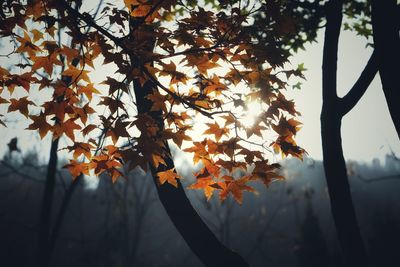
x=88, y=129
x=169, y=176
x=81, y=148
x=66, y=128
x=204, y=184
x=77, y=168
x=216, y=130
x=40, y=123
x=157, y=160
x=88, y=90
x=76, y=74
x=45, y=62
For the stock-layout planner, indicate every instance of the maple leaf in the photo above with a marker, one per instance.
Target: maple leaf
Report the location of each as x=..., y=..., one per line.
x=255, y=129
x=40, y=123
x=4, y=74
x=76, y=74
x=23, y=80
x=157, y=159
x=229, y=119
x=88, y=129
x=45, y=62
x=199, y=150
x=83, y=112
x=77, y=168
x=286, y=127
x=88, y=90
x=177, y=137
x=109, y=161
x=287, y=146
x=203, y=63
x=35, y=10
x=80, y=148
x=20, y=105
x=216, y=130
x=205, y=185
x=27, y=45
x=170, y=70
x=68, y=127
x=114, y=173
x=119, y=130
x=115, y=85
x=169, y=176
x=231, y=165
x=138, y=8
x=234, y=187
x=112, y=104
x=70, y=53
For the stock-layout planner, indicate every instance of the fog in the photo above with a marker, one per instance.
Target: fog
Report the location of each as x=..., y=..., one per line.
x=124, y=224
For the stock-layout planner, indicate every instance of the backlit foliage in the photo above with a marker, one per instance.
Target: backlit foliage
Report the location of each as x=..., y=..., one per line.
x=208, y=63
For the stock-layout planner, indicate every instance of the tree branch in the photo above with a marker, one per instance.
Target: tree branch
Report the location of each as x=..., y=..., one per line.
x=349, y=101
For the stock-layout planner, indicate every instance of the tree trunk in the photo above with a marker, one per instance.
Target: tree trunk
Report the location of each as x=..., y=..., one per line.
x=43, y=257
x=61, y=214
x=385, y=25
x=335, y=167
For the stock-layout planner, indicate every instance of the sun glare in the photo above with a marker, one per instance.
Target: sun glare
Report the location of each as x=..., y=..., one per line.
x=253, y=110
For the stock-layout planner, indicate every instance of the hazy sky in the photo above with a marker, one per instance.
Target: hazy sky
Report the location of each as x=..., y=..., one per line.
x=367, y=130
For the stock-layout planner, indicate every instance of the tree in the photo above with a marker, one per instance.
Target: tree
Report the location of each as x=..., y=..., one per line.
x=386, y=42
x=144, y=41
x=312, y=248
x=334, y=108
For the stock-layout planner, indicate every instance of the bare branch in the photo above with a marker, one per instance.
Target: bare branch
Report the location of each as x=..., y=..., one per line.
x=348, y=102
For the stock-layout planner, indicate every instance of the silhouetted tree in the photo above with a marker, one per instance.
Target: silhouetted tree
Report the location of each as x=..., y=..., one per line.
x=312, y=250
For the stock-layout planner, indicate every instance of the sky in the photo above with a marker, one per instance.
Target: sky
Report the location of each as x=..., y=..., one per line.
x=367, y=131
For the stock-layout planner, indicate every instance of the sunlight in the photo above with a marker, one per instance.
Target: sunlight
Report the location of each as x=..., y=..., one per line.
x=249, y=116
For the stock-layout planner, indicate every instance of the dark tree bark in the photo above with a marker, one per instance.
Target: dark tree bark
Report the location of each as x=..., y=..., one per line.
x=385, y=25
x=333, y=110
x=42, y=259
x=55, y=231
